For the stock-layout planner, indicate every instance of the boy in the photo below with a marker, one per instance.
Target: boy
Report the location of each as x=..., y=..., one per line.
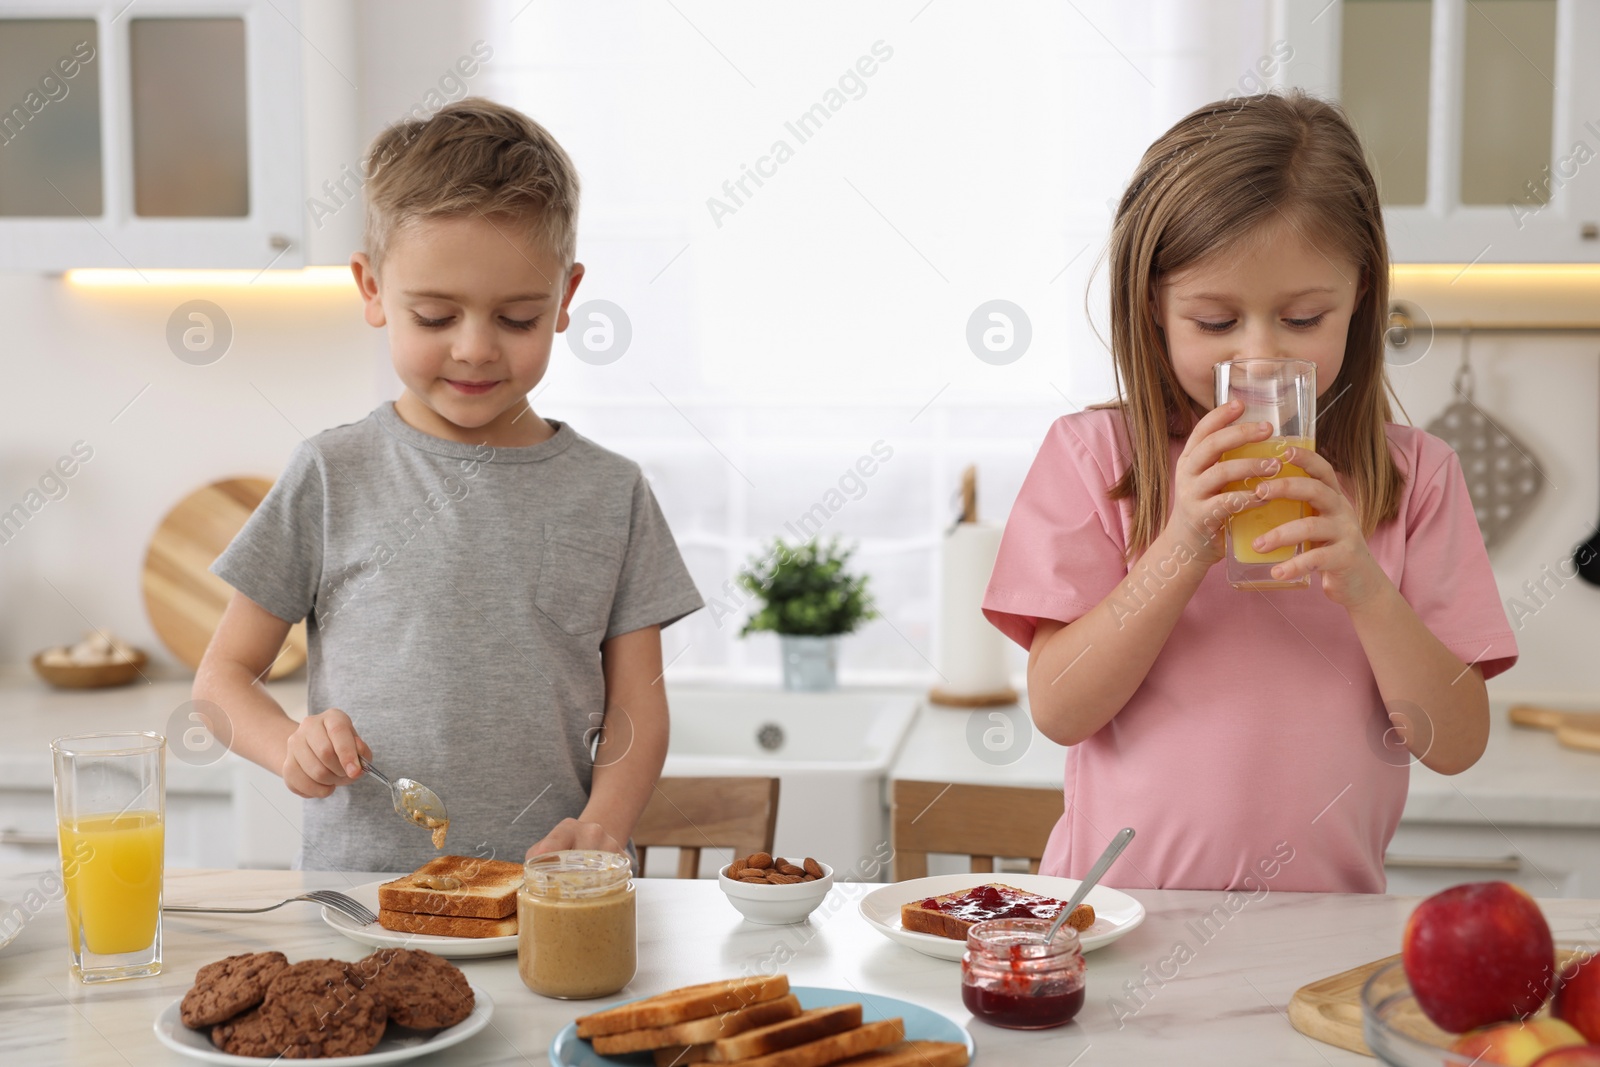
x=484, y=589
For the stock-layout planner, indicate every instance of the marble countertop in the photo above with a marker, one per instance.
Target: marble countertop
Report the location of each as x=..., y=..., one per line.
x=1524, y=778
x=1229, y=996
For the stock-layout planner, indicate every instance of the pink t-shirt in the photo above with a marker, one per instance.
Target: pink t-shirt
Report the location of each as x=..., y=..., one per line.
x=1255, y=746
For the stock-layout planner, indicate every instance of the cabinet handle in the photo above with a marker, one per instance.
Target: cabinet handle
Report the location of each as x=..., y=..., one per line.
x=27, y=840
x=1466, y=863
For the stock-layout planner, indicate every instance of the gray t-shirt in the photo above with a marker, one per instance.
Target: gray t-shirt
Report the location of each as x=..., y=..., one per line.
x=456, y=597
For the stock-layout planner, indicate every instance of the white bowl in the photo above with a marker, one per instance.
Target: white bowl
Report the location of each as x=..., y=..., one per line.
x=776, y=905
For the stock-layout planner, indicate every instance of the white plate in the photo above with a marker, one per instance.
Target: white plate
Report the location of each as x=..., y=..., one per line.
x=456, y=948
x=1114, y=913
x=393, y=1048
x=922, y=1024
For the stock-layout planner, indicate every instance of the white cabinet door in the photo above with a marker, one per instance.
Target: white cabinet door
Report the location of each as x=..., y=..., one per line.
x=163, y=134
x=1502, y=164
x=1547, y=861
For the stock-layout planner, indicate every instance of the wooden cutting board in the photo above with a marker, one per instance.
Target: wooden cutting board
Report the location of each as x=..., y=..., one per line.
x=184, y=600
x=1329, y=1009
x=1573, y=729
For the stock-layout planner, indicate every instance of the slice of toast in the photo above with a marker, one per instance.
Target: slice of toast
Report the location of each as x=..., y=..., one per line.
x=913, y=1054
x=406, y=922
x=699, y=1031
x=918, y=917
x=464, y=886
x=684, y=1005
x=811, y=1025
x=837, y=1047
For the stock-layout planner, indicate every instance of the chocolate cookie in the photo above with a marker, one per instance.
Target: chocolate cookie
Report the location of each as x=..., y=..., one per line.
x=420, y=990
x=229, y=986
x=312, y=1009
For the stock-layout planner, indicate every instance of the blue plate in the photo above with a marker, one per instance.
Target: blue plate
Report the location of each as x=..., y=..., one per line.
x=569, y=1050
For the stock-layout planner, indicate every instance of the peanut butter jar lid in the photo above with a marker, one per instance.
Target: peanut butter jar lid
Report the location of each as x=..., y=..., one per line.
x=576, y=874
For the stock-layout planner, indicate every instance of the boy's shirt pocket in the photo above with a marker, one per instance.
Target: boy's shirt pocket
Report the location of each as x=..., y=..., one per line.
x=578, y=571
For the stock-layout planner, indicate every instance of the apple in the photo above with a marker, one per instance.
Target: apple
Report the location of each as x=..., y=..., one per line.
x=1577, y=997
x=1477, y=954
x=1571, y=1056
x=1516, y=1044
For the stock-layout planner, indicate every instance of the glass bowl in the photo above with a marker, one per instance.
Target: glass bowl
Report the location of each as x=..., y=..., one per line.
x=1397, y=1031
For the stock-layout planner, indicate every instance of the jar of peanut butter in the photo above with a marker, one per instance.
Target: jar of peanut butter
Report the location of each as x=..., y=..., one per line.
x=577, y=934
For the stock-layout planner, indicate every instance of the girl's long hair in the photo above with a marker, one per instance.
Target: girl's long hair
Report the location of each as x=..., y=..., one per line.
x=1206, y=186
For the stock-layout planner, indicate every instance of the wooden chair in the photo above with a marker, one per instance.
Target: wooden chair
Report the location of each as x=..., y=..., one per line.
x=695, y=813
x=983, y=822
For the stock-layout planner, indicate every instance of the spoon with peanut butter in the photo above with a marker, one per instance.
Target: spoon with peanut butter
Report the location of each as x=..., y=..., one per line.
x=416, y=802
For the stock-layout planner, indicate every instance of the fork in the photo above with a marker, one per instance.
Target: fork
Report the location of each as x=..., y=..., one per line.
x=345, y=905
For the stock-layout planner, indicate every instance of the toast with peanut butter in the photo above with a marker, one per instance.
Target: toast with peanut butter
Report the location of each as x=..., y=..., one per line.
x=407, y=922
x=456, y=887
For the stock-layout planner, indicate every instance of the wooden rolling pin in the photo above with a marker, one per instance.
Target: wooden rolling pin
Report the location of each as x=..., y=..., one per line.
x=1573, y=729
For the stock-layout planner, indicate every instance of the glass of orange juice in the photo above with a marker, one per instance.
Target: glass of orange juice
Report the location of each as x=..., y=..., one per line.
x=110, y=812
x=1282, y=392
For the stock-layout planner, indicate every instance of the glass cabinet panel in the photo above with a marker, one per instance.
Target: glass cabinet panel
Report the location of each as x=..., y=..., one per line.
x=1507, y=100
x=1385, y=60
x=50, y=127
x=191, y=153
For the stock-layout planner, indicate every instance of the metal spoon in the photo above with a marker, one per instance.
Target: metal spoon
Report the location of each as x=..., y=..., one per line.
x=1101, y=865
x=416, y=802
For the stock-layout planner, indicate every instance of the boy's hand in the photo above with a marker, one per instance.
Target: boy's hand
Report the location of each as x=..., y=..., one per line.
x=571, y=833
x=1350, y=576
x=1202, y=503
x=323, y=753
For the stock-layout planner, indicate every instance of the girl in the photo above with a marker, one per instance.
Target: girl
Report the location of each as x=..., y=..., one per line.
x=1250, y=737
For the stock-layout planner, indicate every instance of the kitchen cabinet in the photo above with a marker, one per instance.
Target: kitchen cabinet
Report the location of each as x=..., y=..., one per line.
x=1481, y=119
x=166, y=134
x=198, y=828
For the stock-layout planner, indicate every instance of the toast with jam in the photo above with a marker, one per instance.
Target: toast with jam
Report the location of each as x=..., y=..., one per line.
x=953, y=914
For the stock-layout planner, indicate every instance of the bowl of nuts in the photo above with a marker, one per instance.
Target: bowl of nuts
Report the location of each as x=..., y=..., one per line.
x=774, y=891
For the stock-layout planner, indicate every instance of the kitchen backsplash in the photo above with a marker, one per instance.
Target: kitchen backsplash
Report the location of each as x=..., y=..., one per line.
x=96, y=391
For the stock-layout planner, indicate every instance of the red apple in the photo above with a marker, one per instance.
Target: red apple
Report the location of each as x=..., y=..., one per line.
x=1578, y=996
x=1477, y=954
x=1571, y=1056
x=1516, y=1044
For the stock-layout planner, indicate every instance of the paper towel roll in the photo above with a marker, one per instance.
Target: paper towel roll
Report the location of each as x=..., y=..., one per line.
x=972, y=653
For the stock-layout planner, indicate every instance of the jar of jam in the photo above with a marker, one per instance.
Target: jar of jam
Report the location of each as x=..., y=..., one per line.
x=1010, y=977
x=577, y=931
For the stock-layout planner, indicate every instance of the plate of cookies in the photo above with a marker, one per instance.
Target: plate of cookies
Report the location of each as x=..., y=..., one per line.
x=932, y=915
x=459, y=907
x=390, y=1006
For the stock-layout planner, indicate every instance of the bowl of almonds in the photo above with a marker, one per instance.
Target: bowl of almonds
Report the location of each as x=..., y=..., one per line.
x=773, y=891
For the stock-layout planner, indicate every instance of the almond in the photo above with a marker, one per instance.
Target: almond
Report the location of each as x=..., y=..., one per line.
x=759, y=860
x=751, y=872
x=783, y=879
x=813, y=868
x=789, y=868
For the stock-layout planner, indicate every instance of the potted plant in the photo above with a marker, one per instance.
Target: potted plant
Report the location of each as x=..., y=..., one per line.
x=808, y=599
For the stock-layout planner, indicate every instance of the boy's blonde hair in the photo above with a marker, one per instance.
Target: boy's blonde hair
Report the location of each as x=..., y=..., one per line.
x=472, y=157
x=1208, y=185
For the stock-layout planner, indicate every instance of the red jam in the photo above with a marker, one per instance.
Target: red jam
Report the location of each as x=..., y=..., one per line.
x=1018, y=1011
x=1010, y=977
x=987, y=902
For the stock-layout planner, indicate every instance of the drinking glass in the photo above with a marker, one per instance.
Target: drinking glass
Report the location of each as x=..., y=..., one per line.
x=110, y=813
x=1282, y=392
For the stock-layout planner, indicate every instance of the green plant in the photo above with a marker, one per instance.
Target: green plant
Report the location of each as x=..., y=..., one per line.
x=806, y=590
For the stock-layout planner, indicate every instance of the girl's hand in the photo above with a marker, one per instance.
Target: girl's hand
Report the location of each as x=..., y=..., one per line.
x=1201, y=500
x=1350, y=576
x=323, y=753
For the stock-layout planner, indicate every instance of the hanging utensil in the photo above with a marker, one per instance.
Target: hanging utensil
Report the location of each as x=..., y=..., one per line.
x=1502, y=478
x=1587, y=557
